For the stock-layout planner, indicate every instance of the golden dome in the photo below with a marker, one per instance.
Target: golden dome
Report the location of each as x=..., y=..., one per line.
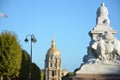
x=53, y=51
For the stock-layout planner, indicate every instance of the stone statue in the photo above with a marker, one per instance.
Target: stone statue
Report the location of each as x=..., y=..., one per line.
x=102, y=11
x=102, y=15
x=105, y=48
x=103, y=52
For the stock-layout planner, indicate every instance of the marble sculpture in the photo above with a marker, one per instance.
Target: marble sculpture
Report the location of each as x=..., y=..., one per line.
x=103, y=54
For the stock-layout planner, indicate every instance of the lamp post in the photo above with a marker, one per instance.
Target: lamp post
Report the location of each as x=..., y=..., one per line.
x=32, y=39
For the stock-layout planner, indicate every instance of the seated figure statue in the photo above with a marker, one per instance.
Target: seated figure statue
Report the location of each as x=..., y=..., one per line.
x=102, y=11
x=102, y=15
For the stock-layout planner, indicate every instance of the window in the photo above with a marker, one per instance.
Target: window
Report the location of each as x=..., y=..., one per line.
x=53, y=73
x=55, y=64
x=50, y=64
x=51, y=57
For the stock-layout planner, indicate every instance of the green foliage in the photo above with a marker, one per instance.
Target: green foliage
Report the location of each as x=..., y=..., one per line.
x=25, y=70
x=36, y=72
x=42, y=75
x=10, y=54
x=25, y=66
x=68, y=75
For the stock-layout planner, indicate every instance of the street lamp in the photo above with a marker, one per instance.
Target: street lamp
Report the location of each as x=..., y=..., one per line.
x=32, y=39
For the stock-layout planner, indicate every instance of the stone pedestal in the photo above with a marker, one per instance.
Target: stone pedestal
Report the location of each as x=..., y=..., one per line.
x=95, y=77
x=97, y=72
x=99, y=69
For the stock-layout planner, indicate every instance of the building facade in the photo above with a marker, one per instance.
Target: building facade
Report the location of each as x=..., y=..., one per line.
x=53, y=63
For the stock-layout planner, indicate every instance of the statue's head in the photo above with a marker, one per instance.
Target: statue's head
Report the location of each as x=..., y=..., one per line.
x=102, y=4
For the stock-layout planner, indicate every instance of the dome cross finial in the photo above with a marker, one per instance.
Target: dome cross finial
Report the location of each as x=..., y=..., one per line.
x=53, y=45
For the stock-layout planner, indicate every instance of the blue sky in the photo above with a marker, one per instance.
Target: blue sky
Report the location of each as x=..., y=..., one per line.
x=69, y=21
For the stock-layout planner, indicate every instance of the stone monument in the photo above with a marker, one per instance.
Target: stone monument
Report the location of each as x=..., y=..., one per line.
x=103, y=53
